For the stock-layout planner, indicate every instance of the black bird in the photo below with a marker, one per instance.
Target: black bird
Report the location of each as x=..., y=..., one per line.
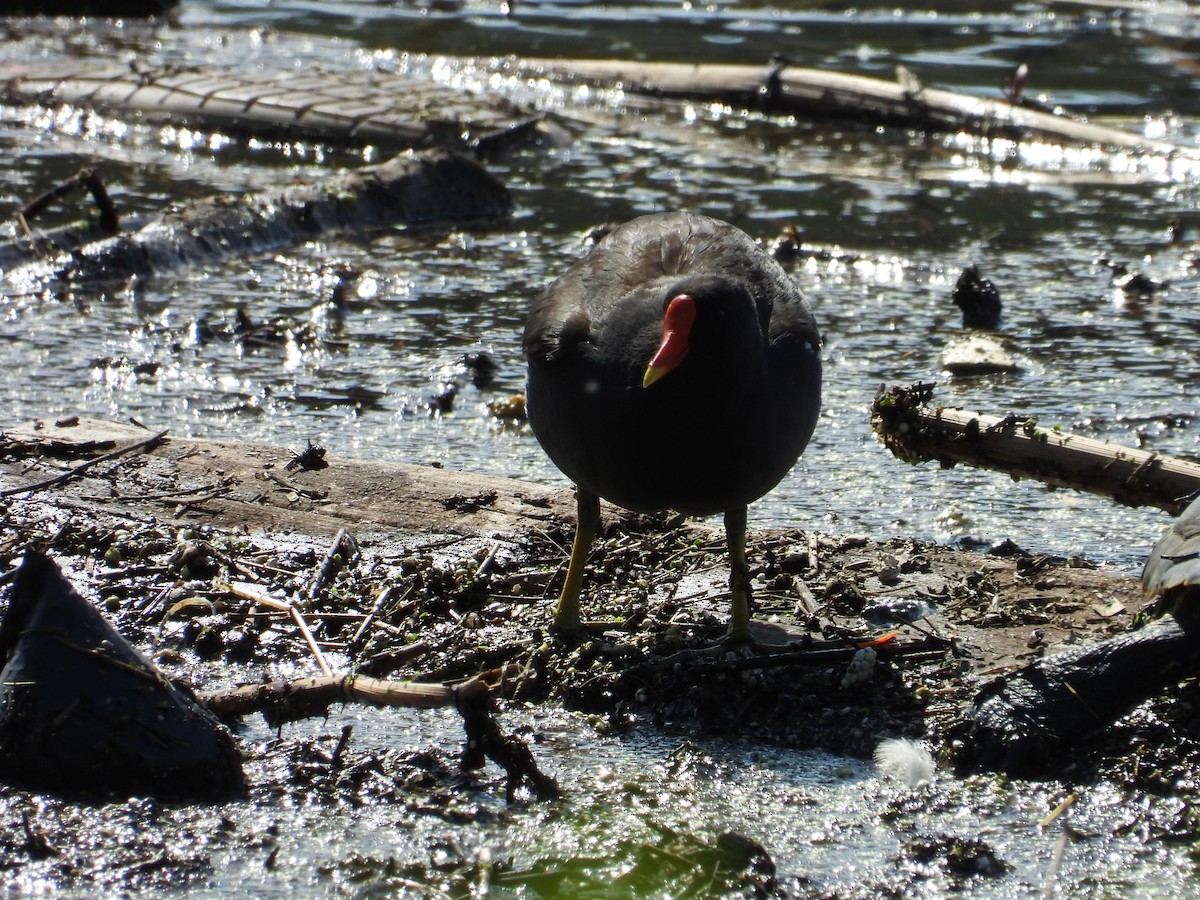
x=675, y=367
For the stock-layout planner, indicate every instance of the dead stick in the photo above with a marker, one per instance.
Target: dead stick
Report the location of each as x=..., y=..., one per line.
x=84, y=466
x=86, y=178
x=311, y=696
x=384, y=597
x=312, y=644
x=344, y=549
x=247, y=592
x=915, y=433
x=281, y=702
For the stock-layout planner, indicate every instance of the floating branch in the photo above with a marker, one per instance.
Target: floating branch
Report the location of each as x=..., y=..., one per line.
x=815, y=92
x=915, y=433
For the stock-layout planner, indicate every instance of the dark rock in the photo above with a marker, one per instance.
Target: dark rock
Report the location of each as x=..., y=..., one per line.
x=81, y=709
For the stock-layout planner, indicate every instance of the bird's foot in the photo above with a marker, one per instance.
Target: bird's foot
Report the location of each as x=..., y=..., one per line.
x=739, y=638
x=568, y=628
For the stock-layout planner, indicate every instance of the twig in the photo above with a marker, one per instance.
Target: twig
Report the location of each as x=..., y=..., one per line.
x=78, y=470
x=300, y=489
x=385, y=597
x=335, y=762
x=86, y=178
x=246, y=593
x=344, y=549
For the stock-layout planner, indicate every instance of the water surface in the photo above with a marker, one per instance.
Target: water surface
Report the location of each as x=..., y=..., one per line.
x=907, y=210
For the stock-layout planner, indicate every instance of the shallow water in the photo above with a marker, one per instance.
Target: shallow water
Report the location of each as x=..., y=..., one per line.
x=917, y=210
x=912, y=211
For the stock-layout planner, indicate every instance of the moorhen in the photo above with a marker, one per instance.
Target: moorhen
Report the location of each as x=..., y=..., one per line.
x=676, y=366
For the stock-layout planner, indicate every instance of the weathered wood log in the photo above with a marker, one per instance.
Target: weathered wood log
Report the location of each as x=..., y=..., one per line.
x=838, y=95
x=1017, y=445
x=433, y=187
x=367, y=496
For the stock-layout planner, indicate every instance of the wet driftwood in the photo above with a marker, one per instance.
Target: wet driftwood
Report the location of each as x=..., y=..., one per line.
x=916, y=432
x=817, y=93
x=436, y=186
x=387, y=109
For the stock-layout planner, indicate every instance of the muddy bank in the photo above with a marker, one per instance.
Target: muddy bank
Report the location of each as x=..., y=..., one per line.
x=456, y=571
x=453, y=575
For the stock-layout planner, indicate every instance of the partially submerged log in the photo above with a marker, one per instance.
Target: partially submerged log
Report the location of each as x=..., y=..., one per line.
x=915, y=433
x=433, y=187
x=805, y=92
x=81, y=709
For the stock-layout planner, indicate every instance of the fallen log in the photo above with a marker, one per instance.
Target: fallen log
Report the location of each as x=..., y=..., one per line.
x=805, y=92
x=433, y=187
x=915, y=433
x=369, y=497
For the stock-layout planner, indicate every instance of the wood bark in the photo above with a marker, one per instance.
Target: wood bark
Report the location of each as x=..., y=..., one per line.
x=915, y=432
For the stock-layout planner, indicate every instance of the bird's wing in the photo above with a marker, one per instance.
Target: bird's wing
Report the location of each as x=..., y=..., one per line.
x=554, y=329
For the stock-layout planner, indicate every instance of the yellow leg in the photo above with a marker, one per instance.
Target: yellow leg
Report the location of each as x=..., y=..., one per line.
x=739, y=574
x=566, y=614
